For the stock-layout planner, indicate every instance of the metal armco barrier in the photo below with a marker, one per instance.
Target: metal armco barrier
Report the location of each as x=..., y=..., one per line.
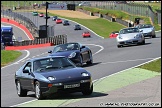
x=55, y=40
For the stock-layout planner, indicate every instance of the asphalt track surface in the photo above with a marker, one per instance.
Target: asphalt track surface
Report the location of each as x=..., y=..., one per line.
x=108, y=59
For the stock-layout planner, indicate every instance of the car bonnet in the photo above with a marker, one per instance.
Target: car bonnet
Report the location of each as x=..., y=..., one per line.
x=64, y=53
x=146, y=30
x=62, y=73
x=128, y=36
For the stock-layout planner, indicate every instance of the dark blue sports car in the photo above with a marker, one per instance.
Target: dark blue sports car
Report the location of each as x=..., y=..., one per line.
x=50, y=75
x=77, y=52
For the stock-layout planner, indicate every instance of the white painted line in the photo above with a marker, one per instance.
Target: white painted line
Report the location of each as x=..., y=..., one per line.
x=127, y=61
x=23, y=103
x=28, y=53
x=19, y=28
x=127, y=69
x=98, y=46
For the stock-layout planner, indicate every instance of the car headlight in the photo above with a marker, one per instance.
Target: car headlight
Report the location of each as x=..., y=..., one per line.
x=85, y=74
x=138, y=36
x=51, y=78
x=120, y=37
x=73, y=54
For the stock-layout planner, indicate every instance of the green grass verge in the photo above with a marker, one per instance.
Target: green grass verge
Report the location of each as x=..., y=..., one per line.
x=9, y=56
x=153, y=66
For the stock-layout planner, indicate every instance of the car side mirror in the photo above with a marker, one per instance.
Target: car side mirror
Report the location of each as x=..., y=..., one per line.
x=83, y=47
x=26, y=71
x=50, y=51
x=141, y=30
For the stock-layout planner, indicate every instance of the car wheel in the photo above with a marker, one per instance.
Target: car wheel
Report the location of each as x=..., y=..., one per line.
x=38, y=93
x=80, y=61
x=119, y=46
x=91, y=59
x=20, y=91
x=143, y=43
x=88, y=91
x=154, y=36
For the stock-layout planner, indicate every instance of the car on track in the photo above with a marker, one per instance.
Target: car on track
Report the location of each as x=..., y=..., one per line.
x=76, y=52
x=54, y=18
x=148, y=30
x=41, y=15
x=130, y=36
x=86, y=34
x=84, y=3
x=35, y=13
x=114, y=34
x=66, y=22
x=50, y=75
x=46, y=16
x=77, y=27
x=58, y=21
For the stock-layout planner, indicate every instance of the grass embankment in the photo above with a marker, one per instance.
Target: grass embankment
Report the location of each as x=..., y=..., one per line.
x=123, y=15
x=153, y=66
x=9, y=56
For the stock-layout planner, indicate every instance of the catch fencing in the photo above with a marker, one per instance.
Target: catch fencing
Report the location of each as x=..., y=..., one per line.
x=22, y=20
x=131, y=8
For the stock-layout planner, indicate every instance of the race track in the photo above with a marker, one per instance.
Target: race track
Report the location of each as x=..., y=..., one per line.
x=108, y=59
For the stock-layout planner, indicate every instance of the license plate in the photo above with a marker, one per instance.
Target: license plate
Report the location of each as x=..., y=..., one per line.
x=71, y=86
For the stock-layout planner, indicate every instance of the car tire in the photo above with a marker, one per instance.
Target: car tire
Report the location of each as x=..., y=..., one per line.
x=87, y=91
x=91, y=59
x=81, y=61
x=38, y=93
x=119, y=46
x=143, y=43
x=154, y=36
x=21, y=92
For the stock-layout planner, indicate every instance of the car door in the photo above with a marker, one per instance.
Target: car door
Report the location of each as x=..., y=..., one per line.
x=84, y=53
x=25, y=76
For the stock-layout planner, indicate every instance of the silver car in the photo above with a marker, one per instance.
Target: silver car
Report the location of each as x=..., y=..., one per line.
x=148, y=30
x=130, y=36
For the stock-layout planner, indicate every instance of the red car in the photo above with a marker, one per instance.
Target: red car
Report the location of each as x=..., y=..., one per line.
x=86, y=34
x=41, y=15
x=114, y=34
x=58, y=21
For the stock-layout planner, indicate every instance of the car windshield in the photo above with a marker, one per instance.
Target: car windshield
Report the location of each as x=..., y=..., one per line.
x=66, y=47
x=77, y=25
x=52, y=63
x=144, y=26
x=129, y=30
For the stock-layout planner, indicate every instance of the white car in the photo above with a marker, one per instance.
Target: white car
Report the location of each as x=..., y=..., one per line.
x=148, y=30
x=130, y=36
x=84, y=4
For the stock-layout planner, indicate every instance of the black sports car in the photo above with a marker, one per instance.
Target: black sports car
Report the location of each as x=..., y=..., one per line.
x=66, y=22
x=77, y=27
x=54, y=18
x=50, y=75
x=77, y=52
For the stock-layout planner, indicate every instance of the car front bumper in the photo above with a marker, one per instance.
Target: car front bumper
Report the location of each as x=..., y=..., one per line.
x=147, y=34
x=69, y=87
x=130, y=42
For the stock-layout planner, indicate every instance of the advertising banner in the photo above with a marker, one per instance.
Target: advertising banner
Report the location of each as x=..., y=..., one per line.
x=60, y=6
